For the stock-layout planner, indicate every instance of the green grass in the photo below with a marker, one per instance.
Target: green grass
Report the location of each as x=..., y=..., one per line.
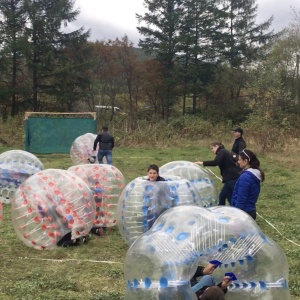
x=84, y=272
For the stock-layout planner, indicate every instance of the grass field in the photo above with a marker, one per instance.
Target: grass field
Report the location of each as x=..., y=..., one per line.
x=95, y=270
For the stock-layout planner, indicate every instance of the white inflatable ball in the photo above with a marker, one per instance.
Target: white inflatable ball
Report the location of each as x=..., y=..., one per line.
x=106, y=183
x=81, y=151
x=15, y=167
x=51, y=204
x=198, y=176
x=143, y=201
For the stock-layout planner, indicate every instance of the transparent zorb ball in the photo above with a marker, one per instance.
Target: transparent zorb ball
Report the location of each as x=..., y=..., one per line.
x=51, y=204
x=106, y=183
x=81, y=151
x=143, y=201
x=196, y=175
x=15, y=167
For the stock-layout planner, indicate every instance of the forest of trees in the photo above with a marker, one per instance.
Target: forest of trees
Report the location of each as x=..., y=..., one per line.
x=207, y=58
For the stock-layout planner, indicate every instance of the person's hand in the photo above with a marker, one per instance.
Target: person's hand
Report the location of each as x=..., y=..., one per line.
x=199, y=163
x=226, y=282
x=208, y=270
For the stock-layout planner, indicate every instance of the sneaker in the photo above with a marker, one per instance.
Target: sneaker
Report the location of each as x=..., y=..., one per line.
x=70, y=243
x=98, y=231
x=82, y=240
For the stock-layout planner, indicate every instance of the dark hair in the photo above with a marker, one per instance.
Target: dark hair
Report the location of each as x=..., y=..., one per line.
x=213, y=293
x=239, y=129
x=216, y=143
x=105, y=127
x=252, y=160
x=153, y=167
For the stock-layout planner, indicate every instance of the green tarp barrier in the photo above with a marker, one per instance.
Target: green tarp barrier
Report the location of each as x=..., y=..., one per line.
x=55, y=135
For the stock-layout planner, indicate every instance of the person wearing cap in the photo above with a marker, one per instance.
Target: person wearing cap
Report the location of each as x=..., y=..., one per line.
x=239, y=143
x=106, y=144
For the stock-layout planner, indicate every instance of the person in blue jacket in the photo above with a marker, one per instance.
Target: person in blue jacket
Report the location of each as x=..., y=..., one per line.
x=247, y=187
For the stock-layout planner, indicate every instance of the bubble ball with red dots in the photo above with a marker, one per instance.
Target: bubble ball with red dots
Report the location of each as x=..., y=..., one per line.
x=107, y=184
x=82, y=149
x=51, y=204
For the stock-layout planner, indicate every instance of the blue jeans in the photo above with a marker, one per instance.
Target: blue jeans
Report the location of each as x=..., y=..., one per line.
x=107, y=154
x=206, y=280
x=227, y=192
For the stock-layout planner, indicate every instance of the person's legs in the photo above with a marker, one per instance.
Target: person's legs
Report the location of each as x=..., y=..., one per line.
x=229, y=187
x=252, y=214
x=101, y=154
x=206, y=280
x=66, y=241
x=109, y=157
x=98, y=231
x=222, y=196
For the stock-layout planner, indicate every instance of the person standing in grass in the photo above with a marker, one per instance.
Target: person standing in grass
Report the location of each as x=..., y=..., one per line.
x=239, y=143
x=247, y=187
x=229, y=170
x=106, y=144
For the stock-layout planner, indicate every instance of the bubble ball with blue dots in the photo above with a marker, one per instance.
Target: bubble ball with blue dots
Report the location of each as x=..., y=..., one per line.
x=198, y=176
x=143, y=201
x=161, y=262
x=15, y=167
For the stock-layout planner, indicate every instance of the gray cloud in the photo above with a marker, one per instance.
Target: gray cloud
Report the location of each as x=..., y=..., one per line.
x=281, y=11
x=102, y=29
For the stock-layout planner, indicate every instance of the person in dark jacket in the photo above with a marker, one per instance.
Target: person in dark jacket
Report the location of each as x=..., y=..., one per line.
x=153, y=173
x=208, y=280
x=228, y=168
x=239, y=143
x=247, y=187
x=106, y=144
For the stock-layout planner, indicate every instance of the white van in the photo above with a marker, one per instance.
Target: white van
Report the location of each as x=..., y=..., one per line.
x=116, y=109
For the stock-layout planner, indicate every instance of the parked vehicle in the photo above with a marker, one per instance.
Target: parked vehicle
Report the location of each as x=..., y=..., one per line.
x=116, y=109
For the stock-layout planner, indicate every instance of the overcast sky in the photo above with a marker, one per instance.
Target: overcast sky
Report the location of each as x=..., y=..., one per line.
x=109, y=19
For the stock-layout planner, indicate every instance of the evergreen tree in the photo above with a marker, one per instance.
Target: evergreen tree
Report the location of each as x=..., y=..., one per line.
x=242, y=38
x=71, y=83
x=163, y=23
x=201, y=25
x=241, y=42
x=46, y=41
x=11, y=42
